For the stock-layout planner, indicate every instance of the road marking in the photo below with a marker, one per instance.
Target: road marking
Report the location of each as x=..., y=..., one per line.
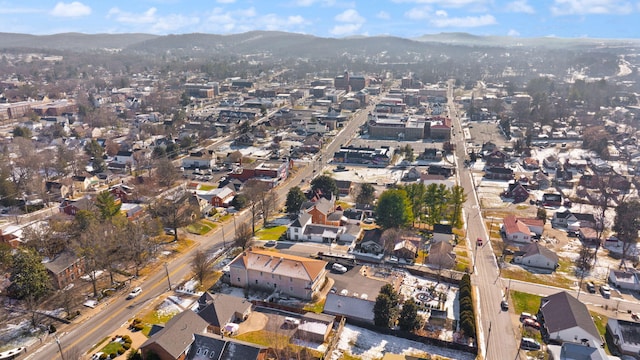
x=118, y=312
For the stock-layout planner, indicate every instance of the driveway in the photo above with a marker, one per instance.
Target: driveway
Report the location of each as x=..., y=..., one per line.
x=355, y=282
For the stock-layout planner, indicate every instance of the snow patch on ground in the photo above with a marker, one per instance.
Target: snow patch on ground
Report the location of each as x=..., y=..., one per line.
x=174, y=305
x=369, y=345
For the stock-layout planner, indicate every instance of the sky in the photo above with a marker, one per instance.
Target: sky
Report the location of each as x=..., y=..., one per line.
x=613, y=19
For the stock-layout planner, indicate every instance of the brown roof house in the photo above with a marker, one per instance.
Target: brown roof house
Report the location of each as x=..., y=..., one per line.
x=65, y=268
x=296, y=276
x=221, y=309
x=441, y=255
x=174, y=340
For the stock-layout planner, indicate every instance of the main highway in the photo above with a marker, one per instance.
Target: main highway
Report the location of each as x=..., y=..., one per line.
x=496, y=335
x=79, y=338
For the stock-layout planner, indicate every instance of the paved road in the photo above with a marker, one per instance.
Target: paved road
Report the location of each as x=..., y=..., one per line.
x=118, y=311
x=496, y=335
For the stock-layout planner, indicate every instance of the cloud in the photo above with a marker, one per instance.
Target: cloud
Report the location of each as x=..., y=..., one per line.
x=72, y=9
x=10, y=10
x=383, y=15
x=345, y=29
x=513, y=33
x=446, y=3
x=324, y=3
x=520, y=6
x=225, y=1
x=159, y=24
x=586, y=7
x=418, y=13
x=242, y=20
x=350, y=16
x=351, y=21
x=442, y=20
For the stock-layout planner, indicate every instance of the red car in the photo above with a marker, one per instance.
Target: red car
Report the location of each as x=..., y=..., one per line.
x=531, y=323
x=479, y=242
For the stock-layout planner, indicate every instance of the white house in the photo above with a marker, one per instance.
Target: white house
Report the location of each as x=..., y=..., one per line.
x=199, y=158
x=626, y=335
x=123, y=157
x=516, y=230
x=538, y=256
x=566, y=319
x=624, y=279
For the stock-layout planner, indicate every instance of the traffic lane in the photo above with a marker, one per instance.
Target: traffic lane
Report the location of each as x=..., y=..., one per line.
x=354, y=282
x=594, y=300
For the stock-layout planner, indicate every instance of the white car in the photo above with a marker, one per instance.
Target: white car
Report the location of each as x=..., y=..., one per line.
x=393, y=259
x=96, y=356
x=339, y=268
x=135, y=292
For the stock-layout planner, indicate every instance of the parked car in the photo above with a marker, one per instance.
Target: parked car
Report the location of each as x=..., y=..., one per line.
x=96, y=356
x=504, y=305
x=393, y=259
x=135, y=292
x=526, y=315
x=339, y=268
x=291, y=321
x=531, y=323
x=605, y=290
x=591, y=287
x=529, y=344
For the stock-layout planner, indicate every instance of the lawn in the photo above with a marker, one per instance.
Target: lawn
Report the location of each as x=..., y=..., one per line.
x=555, y=279
x=200, y=227
x=316, y=307
x=264, y=338
x=207, y=187
x=271, y=233
x=601, y=324
x=524, y=302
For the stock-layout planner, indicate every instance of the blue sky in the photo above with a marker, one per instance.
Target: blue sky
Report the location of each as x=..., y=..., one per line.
x=328, y=18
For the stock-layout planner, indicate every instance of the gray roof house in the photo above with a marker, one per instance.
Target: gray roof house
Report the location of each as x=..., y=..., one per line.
x=174, y=340
x=626, y=335
x=566, y=319
x=220, y=309
x=208, y=347
x=538, y=256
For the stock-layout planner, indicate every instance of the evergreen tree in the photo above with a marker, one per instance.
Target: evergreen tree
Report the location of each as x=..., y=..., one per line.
x=29, y=278
x=394, y=209
x=409, y=319
x=326, y=184
x=107, y=205
x=295, y=198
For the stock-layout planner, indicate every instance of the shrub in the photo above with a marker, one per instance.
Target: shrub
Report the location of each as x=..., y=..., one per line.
x=113, y=355
x=126, y=346
x=138, y=327
x=121, y=351
x=52, y=329
x=103, y=356
x=134, y=355
x=126, y=338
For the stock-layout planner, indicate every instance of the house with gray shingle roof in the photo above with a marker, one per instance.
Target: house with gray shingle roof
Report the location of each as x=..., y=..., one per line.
x=213, y=347
x=565, y=319
x=220, y=309
x=65, y=268
x=174, y=340
x=538, y=256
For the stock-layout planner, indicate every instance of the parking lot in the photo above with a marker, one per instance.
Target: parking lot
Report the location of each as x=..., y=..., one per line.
x=355, y=282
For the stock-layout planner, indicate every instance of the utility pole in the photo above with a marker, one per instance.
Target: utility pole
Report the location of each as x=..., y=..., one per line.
x=166, y=269
x=59, y=347
x=224, y=244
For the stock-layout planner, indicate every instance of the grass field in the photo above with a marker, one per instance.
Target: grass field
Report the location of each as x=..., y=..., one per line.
x=272, y=233
x=523, y=302
x=207, y=187
x=200, y=227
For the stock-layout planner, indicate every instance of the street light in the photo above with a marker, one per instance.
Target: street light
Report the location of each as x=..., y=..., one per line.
x=166, y=269
x=59, y=346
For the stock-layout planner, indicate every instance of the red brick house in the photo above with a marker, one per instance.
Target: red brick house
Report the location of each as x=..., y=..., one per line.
x=64, y=269
x=71, y=207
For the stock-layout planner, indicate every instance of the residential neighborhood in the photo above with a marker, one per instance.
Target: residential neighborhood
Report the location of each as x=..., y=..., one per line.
x=378, y=212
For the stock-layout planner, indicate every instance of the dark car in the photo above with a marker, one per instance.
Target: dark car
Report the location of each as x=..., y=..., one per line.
x=529, y=344
x=504, y=305
x=591, y=287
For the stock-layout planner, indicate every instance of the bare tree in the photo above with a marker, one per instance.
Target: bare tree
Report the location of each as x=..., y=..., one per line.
x=175, y=211
x=140, y=246
x=254, y=191
x=201, y=265
x=269, y=202
x=166, y=172
x=243, y=235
